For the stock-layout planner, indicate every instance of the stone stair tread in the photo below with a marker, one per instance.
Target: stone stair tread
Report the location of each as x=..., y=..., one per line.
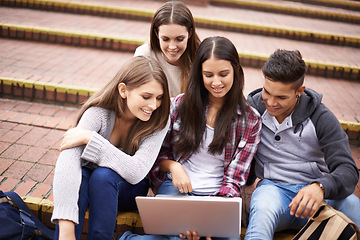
x=91, y=68
x=234, y=14
x=303, y=5
x=154, y=4
x=139, y=30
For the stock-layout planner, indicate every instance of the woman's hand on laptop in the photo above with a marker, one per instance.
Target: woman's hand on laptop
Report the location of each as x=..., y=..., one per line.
x=180, y=179
x=191, y=236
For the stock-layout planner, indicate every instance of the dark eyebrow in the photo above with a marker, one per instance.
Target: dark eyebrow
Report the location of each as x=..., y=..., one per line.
x=225, y=71
x=165, y=36
x=266, y=90
x=151, y=94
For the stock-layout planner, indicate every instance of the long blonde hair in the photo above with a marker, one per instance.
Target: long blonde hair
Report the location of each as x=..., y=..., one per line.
x=136, y=72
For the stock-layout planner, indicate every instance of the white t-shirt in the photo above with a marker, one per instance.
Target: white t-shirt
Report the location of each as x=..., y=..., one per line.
x=205, y=170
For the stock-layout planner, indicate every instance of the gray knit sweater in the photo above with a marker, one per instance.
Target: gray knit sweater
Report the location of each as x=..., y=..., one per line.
x=100, y=151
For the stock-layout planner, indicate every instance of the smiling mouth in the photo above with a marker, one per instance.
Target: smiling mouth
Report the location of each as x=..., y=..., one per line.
x=218, y=90
x=173, y=53
x=272, y=109
x=147, y=112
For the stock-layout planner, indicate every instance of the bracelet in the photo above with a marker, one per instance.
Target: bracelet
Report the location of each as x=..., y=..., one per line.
x=321, y=186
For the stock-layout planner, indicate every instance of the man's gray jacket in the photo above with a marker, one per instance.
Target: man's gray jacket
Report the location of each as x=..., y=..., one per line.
x=309, y=146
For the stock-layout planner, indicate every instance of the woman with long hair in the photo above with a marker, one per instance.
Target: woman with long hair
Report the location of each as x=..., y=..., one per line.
x=213, y=132
x=173, y=43
x=105, y=159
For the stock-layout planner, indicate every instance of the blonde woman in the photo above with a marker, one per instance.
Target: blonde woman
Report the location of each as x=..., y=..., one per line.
x=104, y=160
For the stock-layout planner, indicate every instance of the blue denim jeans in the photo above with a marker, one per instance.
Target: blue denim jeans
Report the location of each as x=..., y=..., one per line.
x=166, y=188
x=105, y=192
x=270, y=212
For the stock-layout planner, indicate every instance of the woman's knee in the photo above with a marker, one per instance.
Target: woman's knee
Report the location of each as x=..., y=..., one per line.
x=103, y=175
x=168, y=188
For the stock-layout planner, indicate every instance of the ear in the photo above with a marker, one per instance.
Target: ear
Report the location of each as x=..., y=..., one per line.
x=300, y=90
x=122, y=90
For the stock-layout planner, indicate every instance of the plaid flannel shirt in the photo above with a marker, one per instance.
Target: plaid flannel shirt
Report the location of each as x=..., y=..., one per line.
x=239, y=152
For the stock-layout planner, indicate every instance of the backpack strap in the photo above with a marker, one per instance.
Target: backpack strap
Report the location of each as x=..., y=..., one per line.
x=29, y=225
x=26, y=214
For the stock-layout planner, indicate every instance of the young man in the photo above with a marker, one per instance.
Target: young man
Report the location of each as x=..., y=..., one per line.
x=304, y=155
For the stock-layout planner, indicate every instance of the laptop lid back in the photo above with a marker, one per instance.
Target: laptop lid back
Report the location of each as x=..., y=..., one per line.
x=209, y=216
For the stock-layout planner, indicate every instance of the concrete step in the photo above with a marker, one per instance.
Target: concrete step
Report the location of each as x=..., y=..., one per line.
x=119, y=43
x=82, y=52
x=216, y=10
x=295, y=8
x=351, y=5
x=121, y=34
x=214, y=18
x=125, y=35
x=67, y=75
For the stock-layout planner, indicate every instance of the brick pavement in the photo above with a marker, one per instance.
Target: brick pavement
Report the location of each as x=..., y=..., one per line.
x=30, y=135
x=30, y=132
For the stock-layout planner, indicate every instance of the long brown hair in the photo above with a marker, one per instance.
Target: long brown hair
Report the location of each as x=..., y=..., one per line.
x=193, y=107
x=134, y=73
x=178, y=13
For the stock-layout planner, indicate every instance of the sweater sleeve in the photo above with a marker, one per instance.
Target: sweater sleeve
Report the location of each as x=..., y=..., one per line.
x=67, y=176
x=132, y=168
x=143, y=50
x=66, y=185
x=344, y=175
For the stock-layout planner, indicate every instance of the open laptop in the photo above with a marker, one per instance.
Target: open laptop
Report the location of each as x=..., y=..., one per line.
x=209, y=216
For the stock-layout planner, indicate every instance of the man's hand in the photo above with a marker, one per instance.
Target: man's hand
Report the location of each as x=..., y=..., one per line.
x=191, y=236
x=307, y=201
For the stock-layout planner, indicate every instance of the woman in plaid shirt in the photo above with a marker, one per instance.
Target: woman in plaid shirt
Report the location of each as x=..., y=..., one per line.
x=190, y=161
x=213, y=133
